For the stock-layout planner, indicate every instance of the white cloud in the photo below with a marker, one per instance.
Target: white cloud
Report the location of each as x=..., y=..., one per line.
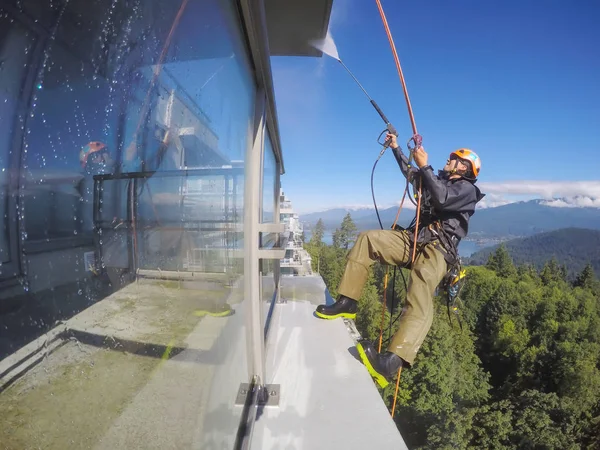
x=574, y=202
x=350, y=207
x=492, y=200
x=353, y=207
x=543, y=189
x=564, y=194
x=558, y=194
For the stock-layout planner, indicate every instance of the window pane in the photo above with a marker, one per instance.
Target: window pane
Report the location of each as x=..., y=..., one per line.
x=15, y=50
x=268, y=181
x=268, y=240
x=131, y=178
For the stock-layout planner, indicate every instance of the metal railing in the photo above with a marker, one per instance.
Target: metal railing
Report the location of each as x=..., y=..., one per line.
x=118, y=218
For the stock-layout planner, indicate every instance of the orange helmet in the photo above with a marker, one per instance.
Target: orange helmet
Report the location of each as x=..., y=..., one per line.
x=92, y=147
x=471, y=157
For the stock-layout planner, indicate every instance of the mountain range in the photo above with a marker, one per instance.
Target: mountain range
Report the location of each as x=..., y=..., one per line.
x=573, y=247
x=517, y=219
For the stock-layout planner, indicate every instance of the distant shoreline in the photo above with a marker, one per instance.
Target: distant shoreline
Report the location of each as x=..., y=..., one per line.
x=466, y=248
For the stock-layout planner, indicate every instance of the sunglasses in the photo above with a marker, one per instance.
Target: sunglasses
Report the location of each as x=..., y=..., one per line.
x=456, y=158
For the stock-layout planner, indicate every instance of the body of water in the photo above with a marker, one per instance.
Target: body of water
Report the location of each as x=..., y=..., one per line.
x=465, y=248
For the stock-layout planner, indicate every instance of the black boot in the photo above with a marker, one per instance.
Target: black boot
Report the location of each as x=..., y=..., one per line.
x=382, y=366
x=345, y=307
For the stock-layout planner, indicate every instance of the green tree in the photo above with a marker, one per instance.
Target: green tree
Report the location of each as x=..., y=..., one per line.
x=551, y=272
x=396, y=287
x=480, y=285
x=369, y=315
x=501, y=263
x=446, y=378
x=315, y=245
x=523, y=372
x=590, y=438
x=542, y=420
x=332, y=265
x=316, y=238
x=527, y=273
x=586, y=279
x=492, y=426
x=346, y=234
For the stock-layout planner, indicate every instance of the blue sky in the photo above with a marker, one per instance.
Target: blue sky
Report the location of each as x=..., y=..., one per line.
x=516, y=81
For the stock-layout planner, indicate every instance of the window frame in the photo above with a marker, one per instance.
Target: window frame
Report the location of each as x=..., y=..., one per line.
x=16, y=225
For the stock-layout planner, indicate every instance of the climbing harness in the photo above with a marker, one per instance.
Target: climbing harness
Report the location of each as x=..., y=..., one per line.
x=452, y=284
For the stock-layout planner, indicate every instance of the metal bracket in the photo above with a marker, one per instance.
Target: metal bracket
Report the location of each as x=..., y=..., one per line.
x=352, y=330
x=268, y=396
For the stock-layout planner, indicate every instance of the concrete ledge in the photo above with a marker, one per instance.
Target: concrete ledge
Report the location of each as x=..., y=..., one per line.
x=328, y=400
x=15, y=365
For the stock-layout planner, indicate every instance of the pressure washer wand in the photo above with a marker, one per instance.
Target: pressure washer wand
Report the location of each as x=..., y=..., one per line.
x=390, y=127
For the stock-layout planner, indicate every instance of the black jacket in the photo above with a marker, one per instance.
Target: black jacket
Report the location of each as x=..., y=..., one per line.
x=449, y=202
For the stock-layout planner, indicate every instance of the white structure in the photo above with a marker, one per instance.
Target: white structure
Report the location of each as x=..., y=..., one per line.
x=297, y=261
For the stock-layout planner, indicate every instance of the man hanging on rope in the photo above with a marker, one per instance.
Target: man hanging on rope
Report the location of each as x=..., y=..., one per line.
x=448, y=201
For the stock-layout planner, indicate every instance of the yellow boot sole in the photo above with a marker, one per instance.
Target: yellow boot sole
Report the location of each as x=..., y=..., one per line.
x=337, y=316
x=202, y=313
x=381, y=380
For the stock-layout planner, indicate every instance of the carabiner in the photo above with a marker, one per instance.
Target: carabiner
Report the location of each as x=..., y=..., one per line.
x=417, y=140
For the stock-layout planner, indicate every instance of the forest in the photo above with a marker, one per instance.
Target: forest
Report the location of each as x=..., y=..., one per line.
x=520, y=370
x=573, y=247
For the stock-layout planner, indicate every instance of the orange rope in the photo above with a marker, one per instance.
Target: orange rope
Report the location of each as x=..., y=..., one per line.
x=417, y=222
x=400, y=208
x=389, y=35
x=385, y=283
x=396, y=393
x=410, y=113
x=414, y=128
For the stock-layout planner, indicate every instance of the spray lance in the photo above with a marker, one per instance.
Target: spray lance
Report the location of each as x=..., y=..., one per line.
x=389, y=127
x=413, y=143
x=327, y=46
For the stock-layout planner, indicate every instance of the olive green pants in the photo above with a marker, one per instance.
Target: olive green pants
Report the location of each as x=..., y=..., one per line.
x=394, y=248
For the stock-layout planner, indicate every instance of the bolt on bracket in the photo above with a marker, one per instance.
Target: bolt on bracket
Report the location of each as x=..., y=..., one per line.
x=268, y=394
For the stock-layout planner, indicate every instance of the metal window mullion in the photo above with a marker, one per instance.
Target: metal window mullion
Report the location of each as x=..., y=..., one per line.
x=277, y=220
x=130, y=227
x=254, y=335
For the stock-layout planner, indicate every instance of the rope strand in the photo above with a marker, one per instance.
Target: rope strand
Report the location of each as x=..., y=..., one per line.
x=385, y=284
x=396, y=392
x=398, y=67
x=417, y=223
x=415, y=133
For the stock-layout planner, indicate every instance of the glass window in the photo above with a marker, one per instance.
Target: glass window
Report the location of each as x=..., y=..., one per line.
x=15, y=51
x=138, y=116
x=268, y=181
x=268, y=240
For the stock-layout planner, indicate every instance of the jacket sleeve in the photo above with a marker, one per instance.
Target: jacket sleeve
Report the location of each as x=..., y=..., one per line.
x=402, y=161
x=448, y=196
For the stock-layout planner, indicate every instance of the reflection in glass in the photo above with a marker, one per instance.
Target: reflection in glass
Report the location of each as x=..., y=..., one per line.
x=15, y=51
x=268, y=240
x=268, y=182
x=129, y=172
